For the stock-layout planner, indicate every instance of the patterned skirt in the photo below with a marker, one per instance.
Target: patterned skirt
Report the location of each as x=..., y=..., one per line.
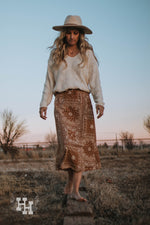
x=75, y=132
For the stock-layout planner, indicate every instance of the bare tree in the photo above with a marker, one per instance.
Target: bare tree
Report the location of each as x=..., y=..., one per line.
x=11, y=131
x=51, y=138
x=127, y=139
x=147, y=123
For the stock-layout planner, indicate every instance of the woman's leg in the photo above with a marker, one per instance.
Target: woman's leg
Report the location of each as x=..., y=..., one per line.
x=76, y=183
x=72, y=187
x=69, y=185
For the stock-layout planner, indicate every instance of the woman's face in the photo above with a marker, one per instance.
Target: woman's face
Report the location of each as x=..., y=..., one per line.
x=72, y=36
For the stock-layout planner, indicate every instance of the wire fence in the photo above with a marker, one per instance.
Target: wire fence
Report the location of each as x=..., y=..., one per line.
x=103, y=142
x=136, y=141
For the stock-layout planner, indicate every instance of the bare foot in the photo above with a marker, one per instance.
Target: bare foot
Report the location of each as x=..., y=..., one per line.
x=78, y=197
x=68, y=189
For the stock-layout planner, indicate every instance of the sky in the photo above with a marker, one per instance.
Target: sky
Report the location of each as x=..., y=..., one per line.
x=121, y=42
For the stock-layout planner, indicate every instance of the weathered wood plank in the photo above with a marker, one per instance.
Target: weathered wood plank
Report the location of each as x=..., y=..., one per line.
x=78, y=220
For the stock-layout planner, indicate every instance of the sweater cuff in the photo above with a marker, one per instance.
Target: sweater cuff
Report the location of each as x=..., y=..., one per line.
x=96, y=104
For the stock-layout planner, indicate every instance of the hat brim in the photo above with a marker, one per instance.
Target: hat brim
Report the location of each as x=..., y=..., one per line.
x=81, y=27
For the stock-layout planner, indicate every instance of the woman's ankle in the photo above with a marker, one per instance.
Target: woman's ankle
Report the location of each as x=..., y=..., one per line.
x=68, y=188
x=75, y=193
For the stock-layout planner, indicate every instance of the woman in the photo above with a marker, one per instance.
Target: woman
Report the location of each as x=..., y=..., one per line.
x=72, y=74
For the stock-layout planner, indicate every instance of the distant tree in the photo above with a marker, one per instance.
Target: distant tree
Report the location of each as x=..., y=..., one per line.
x=11, y=131
x=147, y=123
x=105, y=145
x=127, y=139
x=51, y=138
x=116, y=145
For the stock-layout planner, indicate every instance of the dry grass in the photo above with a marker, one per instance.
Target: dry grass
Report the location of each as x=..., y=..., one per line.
x=120, y=191
x=31, y=154
x=50, y=152
x=44, y=188
x=108, y=151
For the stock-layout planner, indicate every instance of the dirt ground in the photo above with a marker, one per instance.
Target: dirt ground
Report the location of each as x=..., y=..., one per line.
x=119, y=191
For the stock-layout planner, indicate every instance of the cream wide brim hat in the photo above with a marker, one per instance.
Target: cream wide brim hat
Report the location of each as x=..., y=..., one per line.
x=73, y=22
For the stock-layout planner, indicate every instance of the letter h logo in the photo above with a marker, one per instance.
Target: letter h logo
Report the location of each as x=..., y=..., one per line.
x=23, y=206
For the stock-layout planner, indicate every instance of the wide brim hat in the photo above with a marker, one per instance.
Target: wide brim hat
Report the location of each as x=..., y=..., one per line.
x=73, y=22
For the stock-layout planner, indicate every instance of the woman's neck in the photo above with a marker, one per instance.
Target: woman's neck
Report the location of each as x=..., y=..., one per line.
x=72, y=50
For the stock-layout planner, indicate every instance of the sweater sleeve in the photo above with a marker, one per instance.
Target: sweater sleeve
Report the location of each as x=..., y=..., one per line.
x=48, y=86
x=94, y=81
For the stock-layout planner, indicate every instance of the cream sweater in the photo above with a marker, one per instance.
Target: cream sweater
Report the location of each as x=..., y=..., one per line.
x=73, y=77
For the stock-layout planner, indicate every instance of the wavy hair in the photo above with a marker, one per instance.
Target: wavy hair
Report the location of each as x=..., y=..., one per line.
x=59, y=49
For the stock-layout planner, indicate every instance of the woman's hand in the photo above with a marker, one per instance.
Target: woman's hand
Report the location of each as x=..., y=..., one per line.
x=43, y=111
x=99, y=110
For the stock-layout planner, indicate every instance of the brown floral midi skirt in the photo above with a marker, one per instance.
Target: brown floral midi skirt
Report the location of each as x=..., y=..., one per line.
x=75, y=132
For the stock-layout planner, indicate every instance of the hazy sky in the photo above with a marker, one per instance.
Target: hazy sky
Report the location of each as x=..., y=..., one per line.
x=121, y=41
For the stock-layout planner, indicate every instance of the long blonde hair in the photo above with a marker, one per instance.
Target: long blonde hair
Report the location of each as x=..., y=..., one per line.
x=59, y=49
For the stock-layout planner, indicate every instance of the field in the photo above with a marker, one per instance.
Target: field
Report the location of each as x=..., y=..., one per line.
x=119, y=192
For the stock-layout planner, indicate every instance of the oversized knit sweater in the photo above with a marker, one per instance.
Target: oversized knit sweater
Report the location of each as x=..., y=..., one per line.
x=73, y=76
